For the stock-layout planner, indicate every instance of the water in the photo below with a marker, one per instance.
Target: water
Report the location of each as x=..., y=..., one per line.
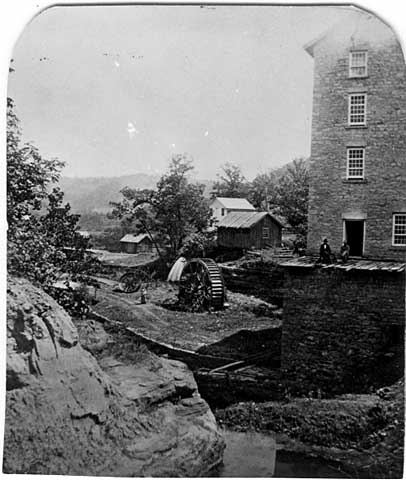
x=254, y=455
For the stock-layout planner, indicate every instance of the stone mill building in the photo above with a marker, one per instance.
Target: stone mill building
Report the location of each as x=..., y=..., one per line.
x=344, y=323
x=358, y=150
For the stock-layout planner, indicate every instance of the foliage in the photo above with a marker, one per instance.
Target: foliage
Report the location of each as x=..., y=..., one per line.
x=40, y=246
x=262, y=190
x=75, y=301
x=28, y=173
x=199, y=244
x=171, y=212
x=285, y=195
x=291, y=196
x=231, y=183
x=96, y=221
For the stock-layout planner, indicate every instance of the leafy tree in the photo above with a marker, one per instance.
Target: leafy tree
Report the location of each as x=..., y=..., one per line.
x=231, y=183
x=291, y=196
x=28, y=173
x=198, y=244
x=262, y=190
x=171, y=212
x=37, y=242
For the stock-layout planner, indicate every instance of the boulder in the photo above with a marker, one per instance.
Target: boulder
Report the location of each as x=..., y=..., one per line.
x=68, y=415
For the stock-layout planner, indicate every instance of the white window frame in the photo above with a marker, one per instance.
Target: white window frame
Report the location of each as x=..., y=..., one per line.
x=394, y=225
x=356, y=177
x=350, y=96
x=351, y=68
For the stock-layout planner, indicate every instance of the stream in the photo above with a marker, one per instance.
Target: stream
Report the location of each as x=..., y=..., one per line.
x=250, y=454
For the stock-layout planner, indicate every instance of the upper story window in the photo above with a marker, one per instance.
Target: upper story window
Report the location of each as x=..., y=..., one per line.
x=357, y=109
x=265, y=232
x=223, y=212
x=355, y=162
x=358, y=64
x=399, y=229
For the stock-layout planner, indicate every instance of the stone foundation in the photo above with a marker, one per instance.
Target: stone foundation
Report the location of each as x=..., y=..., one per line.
x=261, y=279
x=343, y=330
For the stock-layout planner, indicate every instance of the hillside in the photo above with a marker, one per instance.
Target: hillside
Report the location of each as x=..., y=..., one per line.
x=89, y=194
x=93, y=194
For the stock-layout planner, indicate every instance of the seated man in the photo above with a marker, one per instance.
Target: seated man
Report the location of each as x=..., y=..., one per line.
x=325, y=252
x=344, y=251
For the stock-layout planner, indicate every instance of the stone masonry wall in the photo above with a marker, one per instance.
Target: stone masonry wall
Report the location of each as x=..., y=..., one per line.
x=338, y=327
x=263, y=280
x=382, y=192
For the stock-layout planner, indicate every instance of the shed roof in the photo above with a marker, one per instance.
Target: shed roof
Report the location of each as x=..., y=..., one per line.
x=130, y=238
x=235, y=203
x=244, y=219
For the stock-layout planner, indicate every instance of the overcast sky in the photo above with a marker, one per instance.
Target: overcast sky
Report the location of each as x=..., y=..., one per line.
x=116, y=90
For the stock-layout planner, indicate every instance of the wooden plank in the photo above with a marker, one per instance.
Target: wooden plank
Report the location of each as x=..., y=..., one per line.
x=228, y=365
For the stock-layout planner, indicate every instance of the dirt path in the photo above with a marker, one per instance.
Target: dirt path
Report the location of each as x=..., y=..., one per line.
x=183, y=329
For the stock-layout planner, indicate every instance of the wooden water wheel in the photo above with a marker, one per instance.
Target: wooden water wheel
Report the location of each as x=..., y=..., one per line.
x=201, y=285
x=133, y=281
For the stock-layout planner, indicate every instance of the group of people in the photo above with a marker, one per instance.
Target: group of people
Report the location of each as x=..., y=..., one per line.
x=327, y=257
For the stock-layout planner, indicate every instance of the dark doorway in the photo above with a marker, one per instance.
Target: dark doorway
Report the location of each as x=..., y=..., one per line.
x=354, y=232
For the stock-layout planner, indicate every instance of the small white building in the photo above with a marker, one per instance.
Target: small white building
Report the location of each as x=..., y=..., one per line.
x=222, y=206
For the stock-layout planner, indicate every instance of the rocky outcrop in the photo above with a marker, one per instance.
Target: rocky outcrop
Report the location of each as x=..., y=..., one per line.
x=66, y=414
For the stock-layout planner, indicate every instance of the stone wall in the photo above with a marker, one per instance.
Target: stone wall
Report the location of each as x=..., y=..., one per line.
x=343, y=330
x=261, y=279
x=382, y=192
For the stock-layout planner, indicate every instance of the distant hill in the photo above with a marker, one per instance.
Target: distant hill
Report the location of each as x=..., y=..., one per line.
x=93, y=194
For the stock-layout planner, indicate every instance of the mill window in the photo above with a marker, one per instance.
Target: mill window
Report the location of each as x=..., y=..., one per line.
x=358, y=64
x=357, y=109
x=399, y=229
x=355, y=162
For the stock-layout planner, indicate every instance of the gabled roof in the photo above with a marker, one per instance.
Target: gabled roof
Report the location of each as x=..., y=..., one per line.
x=353, y=21
x=235, y=203
x=244, y=219
x=130, y=238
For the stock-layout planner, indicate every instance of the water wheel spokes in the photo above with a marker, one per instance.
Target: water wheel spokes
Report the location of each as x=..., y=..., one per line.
x=133, y=281
x=201, y=285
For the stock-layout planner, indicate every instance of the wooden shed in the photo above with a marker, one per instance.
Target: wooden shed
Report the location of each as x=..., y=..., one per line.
x=249, y=230
x=136, y=243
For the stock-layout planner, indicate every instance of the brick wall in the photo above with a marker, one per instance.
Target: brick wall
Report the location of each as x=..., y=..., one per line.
x=338, y=328
x=383, y=192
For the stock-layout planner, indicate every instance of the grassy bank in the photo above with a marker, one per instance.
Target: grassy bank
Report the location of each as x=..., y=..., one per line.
x=363, y=434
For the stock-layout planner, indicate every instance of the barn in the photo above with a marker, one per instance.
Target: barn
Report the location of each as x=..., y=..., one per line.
x=249, y=230
x=136, y=243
